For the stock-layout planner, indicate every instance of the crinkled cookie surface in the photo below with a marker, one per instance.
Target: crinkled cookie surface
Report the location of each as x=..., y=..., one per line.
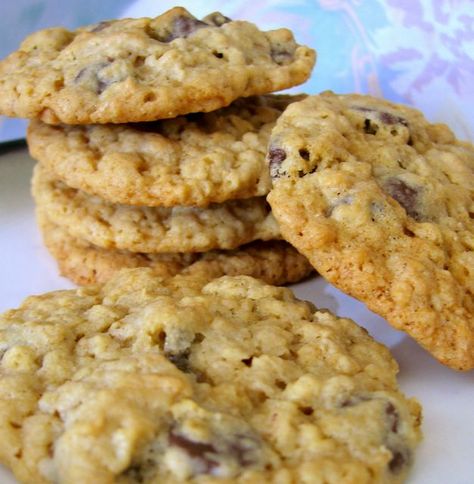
x=197, y=159
x=382, y=204
x=146, y=69
x=147, y=380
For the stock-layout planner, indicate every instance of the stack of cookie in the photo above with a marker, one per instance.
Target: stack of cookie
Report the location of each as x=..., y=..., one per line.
x=173, y=190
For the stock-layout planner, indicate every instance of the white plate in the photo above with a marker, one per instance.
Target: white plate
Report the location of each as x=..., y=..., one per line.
x=447, y=451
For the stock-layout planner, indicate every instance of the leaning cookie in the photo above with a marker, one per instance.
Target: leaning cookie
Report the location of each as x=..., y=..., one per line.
x=190, y=160
x=153, y=229
x=178, y=380
x=274, y=262
x=145, y=69
x=382, y=204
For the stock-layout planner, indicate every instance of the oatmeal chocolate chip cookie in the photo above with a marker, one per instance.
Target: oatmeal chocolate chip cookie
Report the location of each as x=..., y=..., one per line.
x=196, y=159
x=153, y=229
x=148, y=380
x=382, y=204
x=146, y=69
x=274, y=262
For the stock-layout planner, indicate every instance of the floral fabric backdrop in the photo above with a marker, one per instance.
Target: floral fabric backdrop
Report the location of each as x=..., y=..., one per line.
x=420, y=52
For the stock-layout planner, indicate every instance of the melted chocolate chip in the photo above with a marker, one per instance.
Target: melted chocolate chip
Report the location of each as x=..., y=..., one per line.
x=304, y=153
x=369, y=127
x=348, y=402
x=100, y=26
x=384, y=116
x=307, y=410
x=405, y=195
x=195, y=450
x=241, y=448
x=347, y=200
x=398, y=461
x=276, y=156
x=103, y=85
x=184, y=26
x=91, y=73
x=392, y=416
x=388, y=118
x=216, y=19
x=281, y=55
x=180, y=360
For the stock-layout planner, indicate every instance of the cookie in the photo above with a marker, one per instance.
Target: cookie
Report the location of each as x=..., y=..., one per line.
x=196, y=159
x=382, y=204
x=155, y=229
x=148, y=380
x=275, y=262
x=146, y=69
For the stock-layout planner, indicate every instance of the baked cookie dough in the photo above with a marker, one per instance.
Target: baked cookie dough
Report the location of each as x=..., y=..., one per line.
x=274, y=262
x=382, y=204
x=196, y=159
x=153, y=229
x=146, y=69
x=173, y=380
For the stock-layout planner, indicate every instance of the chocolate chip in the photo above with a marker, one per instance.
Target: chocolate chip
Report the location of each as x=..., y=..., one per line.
x=384, y=116
x=353, y=400
x=389, y=118
x=399, y=459
x=101, y=26
x=247, y=361
x=242, y=447
x=103, y=85
x=216, y=19
x=184, y=26
x=181, y=27
x=92, y=74
x=348, y=402
x=180, y=360
x=276, y=156
x=369, y=127
x=307, y=410
x=392, y=416
x=363, y=109
x=80, y=75
x=134, y=473
x=195, y=450
x=346, y=200
x=281, y=55
x=304, y=153
x=280, y=384
x=405, y=195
